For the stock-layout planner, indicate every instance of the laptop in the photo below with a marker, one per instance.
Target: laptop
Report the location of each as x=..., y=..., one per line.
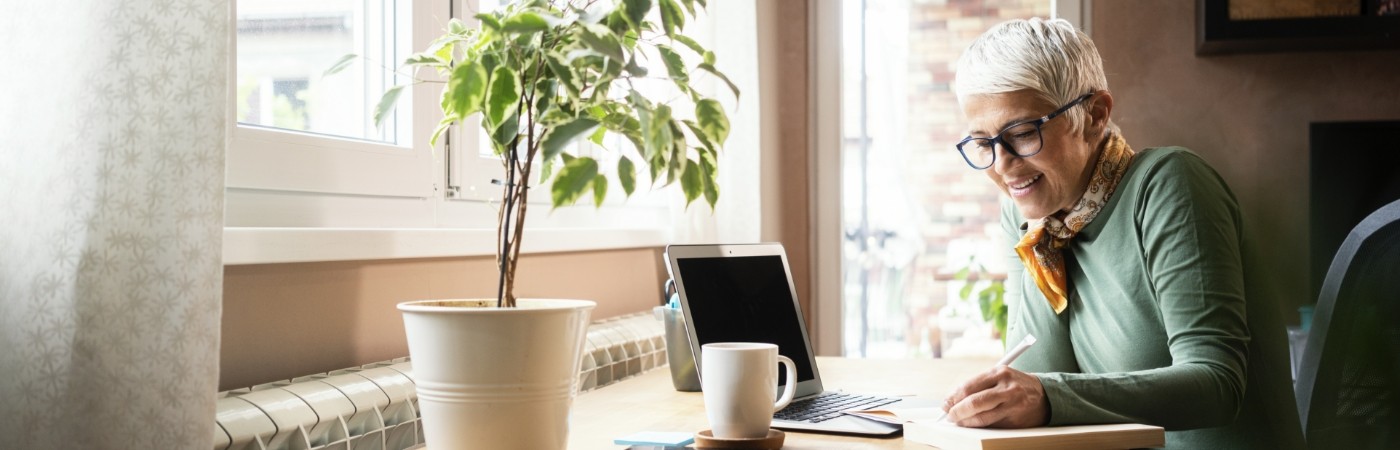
x=744, y=293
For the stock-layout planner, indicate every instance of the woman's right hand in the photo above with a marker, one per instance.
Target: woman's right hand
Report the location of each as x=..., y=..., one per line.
x=999, y=398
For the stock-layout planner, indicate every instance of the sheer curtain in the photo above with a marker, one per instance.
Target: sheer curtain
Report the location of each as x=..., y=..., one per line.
x=112, y=137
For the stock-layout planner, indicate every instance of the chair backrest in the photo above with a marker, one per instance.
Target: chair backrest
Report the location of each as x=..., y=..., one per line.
x=1348, y=388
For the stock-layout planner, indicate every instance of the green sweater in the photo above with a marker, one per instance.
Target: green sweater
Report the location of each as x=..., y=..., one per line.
x=1156, y=329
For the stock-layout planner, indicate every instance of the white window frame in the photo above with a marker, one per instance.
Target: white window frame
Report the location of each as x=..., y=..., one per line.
x=300, y=197
x=263, y=158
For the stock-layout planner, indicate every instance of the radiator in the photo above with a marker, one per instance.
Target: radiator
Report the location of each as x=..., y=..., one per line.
x=375, y=406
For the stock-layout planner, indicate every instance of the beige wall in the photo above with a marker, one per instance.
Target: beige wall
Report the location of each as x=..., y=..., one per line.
x=1246, y=114
x=287, y=320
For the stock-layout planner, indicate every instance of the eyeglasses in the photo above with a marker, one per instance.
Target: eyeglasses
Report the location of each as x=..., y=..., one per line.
x=1021, y=139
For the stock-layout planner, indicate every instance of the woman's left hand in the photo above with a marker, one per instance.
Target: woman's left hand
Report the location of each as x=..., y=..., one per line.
x=999, y=398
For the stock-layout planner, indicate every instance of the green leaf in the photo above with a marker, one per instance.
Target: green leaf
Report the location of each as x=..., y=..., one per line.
x=545, y=90
x=675, y=67
x=642, y=108
x=627, y=175
x=674, y=169
x=634, y=69
x=546, y=169
x=655, y=166
x=688, y=42
x=559, y=136
x=524, y=22
x=456, y=26
x=564, y=72
x=709, y=66
x=689, y=6
x=635, y=11
x=503, y=97
x=489, y=21
x=708, y=175
x=709, y=59
x=507, y=130
x=700, y=135
x=671, y=17
x=573, y=180
x=466, y=89
x=691, y=183
x=423, y=59
x=340, y=64
x=658, y=135
x=602, y=40
x=966, y=291
x=593, y=14
x=710, y=114
x=600, y=190
x=386, y=103
x=702, y=3
x=441, y=127
x=598, y=136
x=984, y=303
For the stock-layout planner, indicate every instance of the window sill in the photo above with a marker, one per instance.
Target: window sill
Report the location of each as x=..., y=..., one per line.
x=258, y=245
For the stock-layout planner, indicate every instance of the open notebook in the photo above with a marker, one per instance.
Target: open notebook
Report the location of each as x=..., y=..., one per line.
x=947, y=436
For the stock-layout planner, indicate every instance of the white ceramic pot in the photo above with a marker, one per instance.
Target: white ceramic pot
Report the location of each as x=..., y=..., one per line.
x=497, y=378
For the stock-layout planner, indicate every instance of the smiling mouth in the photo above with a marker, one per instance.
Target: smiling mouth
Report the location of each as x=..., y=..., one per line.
x=1027, y=183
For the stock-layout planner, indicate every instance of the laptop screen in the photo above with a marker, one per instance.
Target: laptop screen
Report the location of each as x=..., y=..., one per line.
x=745, y=299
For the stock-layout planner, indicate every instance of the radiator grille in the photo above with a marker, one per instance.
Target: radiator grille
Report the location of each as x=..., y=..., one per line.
x=375, y=407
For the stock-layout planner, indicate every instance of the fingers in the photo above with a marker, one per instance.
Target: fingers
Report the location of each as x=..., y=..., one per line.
x=1001, y=397
x=980, y=410
x=978, y=383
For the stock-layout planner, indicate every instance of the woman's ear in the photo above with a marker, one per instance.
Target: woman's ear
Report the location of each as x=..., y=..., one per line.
x=1100, y=108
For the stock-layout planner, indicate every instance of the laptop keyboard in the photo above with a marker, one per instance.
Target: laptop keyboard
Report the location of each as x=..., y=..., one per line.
x=827, y=406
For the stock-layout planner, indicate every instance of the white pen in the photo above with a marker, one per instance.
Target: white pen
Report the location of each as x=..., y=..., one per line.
x=1004, y=361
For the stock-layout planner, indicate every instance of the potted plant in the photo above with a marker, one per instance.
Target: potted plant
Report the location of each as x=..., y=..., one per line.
x=991, y=298
x=543, y=75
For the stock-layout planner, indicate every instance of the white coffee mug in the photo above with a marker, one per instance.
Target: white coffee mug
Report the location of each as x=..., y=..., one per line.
x=739, y=381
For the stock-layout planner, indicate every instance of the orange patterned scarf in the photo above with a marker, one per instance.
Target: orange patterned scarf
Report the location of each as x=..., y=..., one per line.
x=1042, y=248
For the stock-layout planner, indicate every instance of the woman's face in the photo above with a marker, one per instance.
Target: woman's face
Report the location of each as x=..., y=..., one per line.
x=1048, y=181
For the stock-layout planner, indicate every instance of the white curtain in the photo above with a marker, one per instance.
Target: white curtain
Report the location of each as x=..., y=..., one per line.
x=728, y=28
x=112, y=136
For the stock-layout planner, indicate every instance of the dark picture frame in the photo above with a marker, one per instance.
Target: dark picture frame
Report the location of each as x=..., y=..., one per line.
x=1217, y=33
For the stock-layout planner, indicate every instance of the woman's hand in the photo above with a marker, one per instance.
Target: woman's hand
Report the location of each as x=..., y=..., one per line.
x=999, y=398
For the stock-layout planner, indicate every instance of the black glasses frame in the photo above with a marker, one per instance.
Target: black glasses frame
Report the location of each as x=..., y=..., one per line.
x=994, y=140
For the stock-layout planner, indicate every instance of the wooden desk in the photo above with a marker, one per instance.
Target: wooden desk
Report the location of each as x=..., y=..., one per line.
x=649, y=402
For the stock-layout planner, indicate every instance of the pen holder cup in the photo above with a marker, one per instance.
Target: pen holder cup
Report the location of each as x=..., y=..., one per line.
x=678, y=354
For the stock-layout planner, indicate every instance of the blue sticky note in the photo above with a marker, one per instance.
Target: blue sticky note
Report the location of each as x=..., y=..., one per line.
x=663, y=438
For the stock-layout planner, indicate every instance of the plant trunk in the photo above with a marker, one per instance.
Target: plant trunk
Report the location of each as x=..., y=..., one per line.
x=511, y=222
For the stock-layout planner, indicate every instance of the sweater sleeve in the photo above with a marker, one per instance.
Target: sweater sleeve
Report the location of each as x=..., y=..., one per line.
x=1188, y=229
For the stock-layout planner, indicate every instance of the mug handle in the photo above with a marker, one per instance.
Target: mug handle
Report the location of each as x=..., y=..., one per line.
x=791, y=388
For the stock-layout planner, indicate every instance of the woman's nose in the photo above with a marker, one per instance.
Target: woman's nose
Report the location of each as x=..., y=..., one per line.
x=1004, y=158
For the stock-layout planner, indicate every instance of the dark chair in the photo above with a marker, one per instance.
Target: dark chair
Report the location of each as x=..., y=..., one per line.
x=1348, y=388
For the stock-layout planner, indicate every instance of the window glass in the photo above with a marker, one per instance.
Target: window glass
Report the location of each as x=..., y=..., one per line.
x=285, y=49
x=913, y=212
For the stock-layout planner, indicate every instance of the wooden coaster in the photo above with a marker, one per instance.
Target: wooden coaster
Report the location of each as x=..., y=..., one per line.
x=706, y=439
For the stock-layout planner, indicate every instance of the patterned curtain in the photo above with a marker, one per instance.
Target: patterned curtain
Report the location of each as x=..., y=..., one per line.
x=112, y=134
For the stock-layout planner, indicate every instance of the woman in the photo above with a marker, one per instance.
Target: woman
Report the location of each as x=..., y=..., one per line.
x=1128, y=263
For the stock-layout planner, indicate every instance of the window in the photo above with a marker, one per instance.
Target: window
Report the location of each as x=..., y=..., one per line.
x=311, y=179
x=912, y=213
x=285, y=47
x=302, y=131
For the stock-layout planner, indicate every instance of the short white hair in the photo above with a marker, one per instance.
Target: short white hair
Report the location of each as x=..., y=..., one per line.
x=1051, y=58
